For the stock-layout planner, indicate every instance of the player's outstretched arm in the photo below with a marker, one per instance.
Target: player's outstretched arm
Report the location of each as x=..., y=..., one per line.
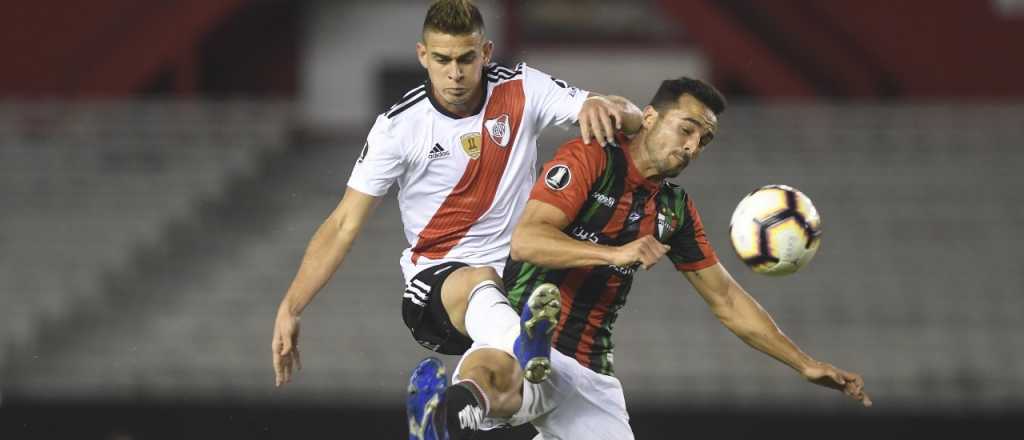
x=603, y=115
x=742, y=315
x=538, y=239
x=324, y=255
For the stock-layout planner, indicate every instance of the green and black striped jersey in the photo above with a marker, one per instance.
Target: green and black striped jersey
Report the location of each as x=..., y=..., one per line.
x=610, y=203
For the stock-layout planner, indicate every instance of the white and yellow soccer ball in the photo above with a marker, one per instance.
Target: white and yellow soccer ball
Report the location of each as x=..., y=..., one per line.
x=775, y=230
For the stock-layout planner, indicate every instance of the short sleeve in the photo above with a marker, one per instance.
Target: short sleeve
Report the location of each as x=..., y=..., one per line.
x=565, y=181
x=691, y=250
x=556, y=102
x=380, y=163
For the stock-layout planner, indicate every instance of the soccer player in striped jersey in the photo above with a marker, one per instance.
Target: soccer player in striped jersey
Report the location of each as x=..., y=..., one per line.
x=594, y=217
x=462, y=148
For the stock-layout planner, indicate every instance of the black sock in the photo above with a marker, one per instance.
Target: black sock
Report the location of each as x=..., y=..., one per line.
x=465, y=408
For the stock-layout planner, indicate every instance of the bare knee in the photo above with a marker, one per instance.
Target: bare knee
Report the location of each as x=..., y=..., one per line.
x=473, y=276
x=459, y=286
x=497, y=374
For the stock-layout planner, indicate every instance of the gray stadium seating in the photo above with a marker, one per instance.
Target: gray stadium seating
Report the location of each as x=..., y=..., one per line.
x=85, y=185
x=916, y=285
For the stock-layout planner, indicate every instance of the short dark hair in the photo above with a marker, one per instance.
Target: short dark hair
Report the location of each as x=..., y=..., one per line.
x=671, y=89
x=453, y=17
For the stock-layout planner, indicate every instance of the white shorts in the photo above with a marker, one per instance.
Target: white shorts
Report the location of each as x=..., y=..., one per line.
x=574, y=403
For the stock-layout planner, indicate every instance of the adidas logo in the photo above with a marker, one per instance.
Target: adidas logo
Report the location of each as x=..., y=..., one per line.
x=438, y=152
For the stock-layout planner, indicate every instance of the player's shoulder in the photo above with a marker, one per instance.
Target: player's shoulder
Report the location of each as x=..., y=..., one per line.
x=592, y=155
x=401, y=118
x=411, y=100
x=497, y=73
x=530, y=76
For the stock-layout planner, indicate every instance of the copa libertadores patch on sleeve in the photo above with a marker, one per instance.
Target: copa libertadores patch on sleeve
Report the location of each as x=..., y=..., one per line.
x=558, y=177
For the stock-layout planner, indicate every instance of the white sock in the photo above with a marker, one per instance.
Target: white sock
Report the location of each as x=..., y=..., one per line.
x=490, y=319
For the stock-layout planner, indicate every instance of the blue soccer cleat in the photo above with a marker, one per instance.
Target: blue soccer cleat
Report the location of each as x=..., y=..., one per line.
x=536, y=325
x=426, y=392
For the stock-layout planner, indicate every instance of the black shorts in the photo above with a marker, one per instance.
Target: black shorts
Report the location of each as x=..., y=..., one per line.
x=424, y=313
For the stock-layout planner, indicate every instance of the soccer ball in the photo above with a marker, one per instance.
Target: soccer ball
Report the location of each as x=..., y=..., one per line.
x=775, y=230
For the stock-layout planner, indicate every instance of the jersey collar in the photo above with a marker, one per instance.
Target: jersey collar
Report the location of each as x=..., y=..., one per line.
x=440, y=108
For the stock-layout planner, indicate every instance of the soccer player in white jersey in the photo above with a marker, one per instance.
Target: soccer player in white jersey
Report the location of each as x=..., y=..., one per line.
x=462, y=148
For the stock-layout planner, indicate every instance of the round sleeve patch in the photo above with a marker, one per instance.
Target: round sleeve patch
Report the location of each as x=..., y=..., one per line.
x=558, y=177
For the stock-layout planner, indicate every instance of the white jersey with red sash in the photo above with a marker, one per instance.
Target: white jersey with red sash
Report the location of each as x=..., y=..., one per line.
x=463, y=182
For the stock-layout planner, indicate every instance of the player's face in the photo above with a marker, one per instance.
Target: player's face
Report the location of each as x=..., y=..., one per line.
x=678, y=135
x=455, y=65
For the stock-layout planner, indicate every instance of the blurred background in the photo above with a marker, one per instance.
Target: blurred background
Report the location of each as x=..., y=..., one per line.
x=164, y=163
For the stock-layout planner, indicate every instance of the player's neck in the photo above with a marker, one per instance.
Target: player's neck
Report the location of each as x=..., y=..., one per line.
x=643, y=162
x=471, y=107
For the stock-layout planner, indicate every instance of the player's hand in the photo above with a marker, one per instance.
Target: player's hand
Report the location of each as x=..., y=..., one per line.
x=599, y=119
x=645, y=250
x=285, y=346
x=826, y=375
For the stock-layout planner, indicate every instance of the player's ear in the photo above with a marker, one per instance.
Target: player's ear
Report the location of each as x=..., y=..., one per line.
x=421, y=54
x=488, y=50
x=650, y=117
